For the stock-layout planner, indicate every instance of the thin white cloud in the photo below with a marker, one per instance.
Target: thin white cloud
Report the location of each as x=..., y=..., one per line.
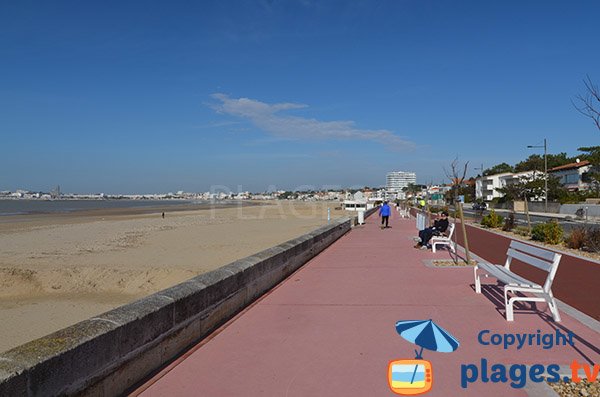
x=268, y=118
x=217, y=124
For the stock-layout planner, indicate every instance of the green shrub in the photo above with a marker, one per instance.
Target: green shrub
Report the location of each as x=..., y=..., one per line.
x=492, y=220
x=550, y=232
x=538, y=232
x=509, y=222
x=555, y=234
x=577, y=238
x=592, y=241
x=521, y=230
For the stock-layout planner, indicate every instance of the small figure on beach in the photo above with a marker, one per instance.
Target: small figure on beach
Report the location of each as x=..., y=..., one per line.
x=384, y=213
x=439, y=227
x=163, y=215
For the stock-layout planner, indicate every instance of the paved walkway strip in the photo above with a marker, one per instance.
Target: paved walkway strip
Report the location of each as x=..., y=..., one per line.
x=329, y=329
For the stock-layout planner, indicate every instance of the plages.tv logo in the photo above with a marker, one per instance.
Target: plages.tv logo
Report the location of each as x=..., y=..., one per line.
x=409, y=377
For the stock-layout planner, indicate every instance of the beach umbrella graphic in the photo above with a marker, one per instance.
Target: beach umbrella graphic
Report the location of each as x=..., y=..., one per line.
x=428, y=335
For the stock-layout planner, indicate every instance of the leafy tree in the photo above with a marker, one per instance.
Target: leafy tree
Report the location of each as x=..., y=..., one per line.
x=287, y=195
x=536, y=162
x=591, y=154
x=498, y=169
x=467, y=190
x=556, y=160
x=412, y=188
x=533, y=162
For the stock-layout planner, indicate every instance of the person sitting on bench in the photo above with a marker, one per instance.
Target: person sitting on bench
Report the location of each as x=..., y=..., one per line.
x=439, y=227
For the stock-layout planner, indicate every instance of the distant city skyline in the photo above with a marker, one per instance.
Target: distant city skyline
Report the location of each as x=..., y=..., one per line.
x=214, y=189
x=120, y=98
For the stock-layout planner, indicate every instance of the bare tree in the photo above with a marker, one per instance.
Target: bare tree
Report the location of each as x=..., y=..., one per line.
x=456, y=176
x=588, y=103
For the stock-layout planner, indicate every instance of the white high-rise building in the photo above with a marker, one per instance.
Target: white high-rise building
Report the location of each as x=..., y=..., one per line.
x=396, y=180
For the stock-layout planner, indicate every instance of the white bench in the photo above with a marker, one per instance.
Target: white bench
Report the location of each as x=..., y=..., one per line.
x=542, y=259
x=403, y=213
x=443, y=240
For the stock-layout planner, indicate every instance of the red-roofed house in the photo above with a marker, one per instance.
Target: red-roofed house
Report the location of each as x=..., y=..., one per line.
x=571, y=175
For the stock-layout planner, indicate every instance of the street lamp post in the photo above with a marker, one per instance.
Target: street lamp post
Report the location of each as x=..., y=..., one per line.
x=545, y=172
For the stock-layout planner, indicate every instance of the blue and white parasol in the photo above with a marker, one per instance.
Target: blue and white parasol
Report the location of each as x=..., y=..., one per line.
x=428, y=335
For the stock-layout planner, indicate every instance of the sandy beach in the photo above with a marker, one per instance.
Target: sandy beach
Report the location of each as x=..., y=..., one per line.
x=58, y=269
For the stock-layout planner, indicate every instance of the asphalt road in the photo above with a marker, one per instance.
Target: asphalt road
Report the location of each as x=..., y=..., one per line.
x=521, y=219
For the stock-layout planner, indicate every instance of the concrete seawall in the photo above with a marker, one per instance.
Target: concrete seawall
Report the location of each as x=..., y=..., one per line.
x=107, y=354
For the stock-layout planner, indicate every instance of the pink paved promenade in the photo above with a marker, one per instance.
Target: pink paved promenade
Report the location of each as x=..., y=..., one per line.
x=329, y=329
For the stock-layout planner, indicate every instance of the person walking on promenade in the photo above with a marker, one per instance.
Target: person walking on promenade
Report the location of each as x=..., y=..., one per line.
x=439, y=227
x=384, y=213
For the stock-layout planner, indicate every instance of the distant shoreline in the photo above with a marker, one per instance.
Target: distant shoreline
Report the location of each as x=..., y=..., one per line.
x=24, y=208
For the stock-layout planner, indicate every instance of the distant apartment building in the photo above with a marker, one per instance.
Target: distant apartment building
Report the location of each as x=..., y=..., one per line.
x=571, y=176
x=397, y=180
x=485, y=187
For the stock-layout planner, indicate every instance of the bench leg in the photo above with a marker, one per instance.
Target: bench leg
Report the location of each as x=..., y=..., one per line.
x=477, y=281
x=508, y=306
x=554, y=311
x=548, y=298
x=553, y=307
x=442, y=243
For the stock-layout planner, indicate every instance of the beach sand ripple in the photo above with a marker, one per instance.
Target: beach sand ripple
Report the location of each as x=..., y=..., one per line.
x=58, y=269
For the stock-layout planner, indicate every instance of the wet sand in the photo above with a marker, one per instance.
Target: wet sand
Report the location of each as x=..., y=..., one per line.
x=58, y=269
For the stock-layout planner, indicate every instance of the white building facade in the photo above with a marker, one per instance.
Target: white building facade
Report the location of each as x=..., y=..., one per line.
x=485, y=187
x=571, y=175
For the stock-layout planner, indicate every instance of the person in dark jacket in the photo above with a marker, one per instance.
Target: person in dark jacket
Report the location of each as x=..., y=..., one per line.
x=439, y=227
x=384, y=213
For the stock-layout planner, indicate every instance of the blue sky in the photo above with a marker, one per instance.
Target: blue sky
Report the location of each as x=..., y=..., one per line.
x=136, y=97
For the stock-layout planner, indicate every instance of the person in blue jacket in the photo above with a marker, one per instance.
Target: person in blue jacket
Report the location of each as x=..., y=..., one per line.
x=384, y=213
